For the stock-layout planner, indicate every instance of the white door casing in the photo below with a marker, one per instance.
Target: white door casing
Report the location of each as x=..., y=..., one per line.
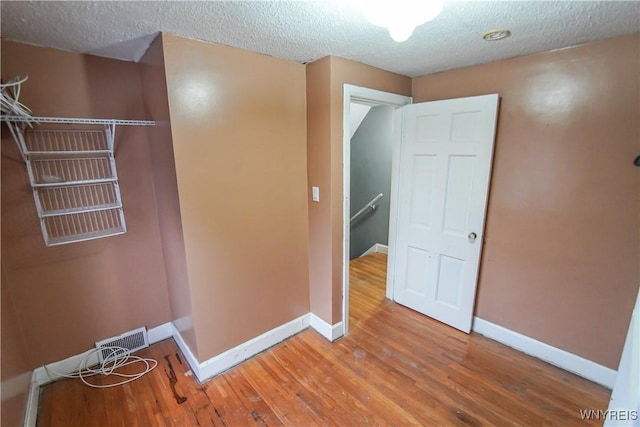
x=442, y=189
x=370, y=97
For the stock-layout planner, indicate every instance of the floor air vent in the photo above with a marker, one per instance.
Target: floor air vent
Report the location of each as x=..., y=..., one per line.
x=133, y=340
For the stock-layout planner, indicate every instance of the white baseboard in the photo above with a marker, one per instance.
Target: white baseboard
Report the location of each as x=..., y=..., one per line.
x=382, y=249
x=555, y=356
x=56, y=370
x=220, y=363
x=330, y=332
x=192, y=360
x=160, y=333
x=376, y=248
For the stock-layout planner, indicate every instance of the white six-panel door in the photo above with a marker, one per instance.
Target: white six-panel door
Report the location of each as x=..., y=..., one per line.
x=445, y=167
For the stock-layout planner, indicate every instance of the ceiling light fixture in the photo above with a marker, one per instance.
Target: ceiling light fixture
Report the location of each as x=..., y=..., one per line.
x=401, y=17
x=494, y=35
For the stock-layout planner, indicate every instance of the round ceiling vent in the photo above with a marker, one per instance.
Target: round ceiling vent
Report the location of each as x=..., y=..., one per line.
x=494, y=35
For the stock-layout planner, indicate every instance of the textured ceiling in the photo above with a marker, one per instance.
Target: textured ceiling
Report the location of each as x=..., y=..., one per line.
x=304, y=31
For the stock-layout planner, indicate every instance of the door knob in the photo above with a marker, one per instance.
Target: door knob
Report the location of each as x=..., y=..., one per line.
x=472, y=237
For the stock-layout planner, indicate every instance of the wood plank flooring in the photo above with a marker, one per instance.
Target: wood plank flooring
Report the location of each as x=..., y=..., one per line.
x=395, y=368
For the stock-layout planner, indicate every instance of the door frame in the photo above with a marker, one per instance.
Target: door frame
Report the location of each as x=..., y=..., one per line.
x=371, y=97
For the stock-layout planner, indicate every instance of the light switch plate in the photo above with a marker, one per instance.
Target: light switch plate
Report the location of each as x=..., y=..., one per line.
x=315, y=194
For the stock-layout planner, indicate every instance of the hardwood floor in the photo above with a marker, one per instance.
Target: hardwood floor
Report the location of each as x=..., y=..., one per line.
x=395, y=368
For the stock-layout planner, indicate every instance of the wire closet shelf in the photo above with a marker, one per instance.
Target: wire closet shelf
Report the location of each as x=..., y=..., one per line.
x=73, y=175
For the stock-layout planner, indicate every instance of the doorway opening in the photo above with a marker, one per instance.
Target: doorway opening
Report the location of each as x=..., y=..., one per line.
x=366, y=101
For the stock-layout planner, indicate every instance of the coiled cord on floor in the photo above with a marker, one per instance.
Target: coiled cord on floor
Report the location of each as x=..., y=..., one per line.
x=117, y=358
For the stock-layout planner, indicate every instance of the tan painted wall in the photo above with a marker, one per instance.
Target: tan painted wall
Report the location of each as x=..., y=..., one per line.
x=561, y=255
x=239, y=133
x=69, y=296
x=318, y=83
x=568, y=126
x=156, y=105
x=325, y=80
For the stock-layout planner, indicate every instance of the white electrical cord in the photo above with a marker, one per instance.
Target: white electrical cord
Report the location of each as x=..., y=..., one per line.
x=117, y=358
x=9, y=94
x=10, y=106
